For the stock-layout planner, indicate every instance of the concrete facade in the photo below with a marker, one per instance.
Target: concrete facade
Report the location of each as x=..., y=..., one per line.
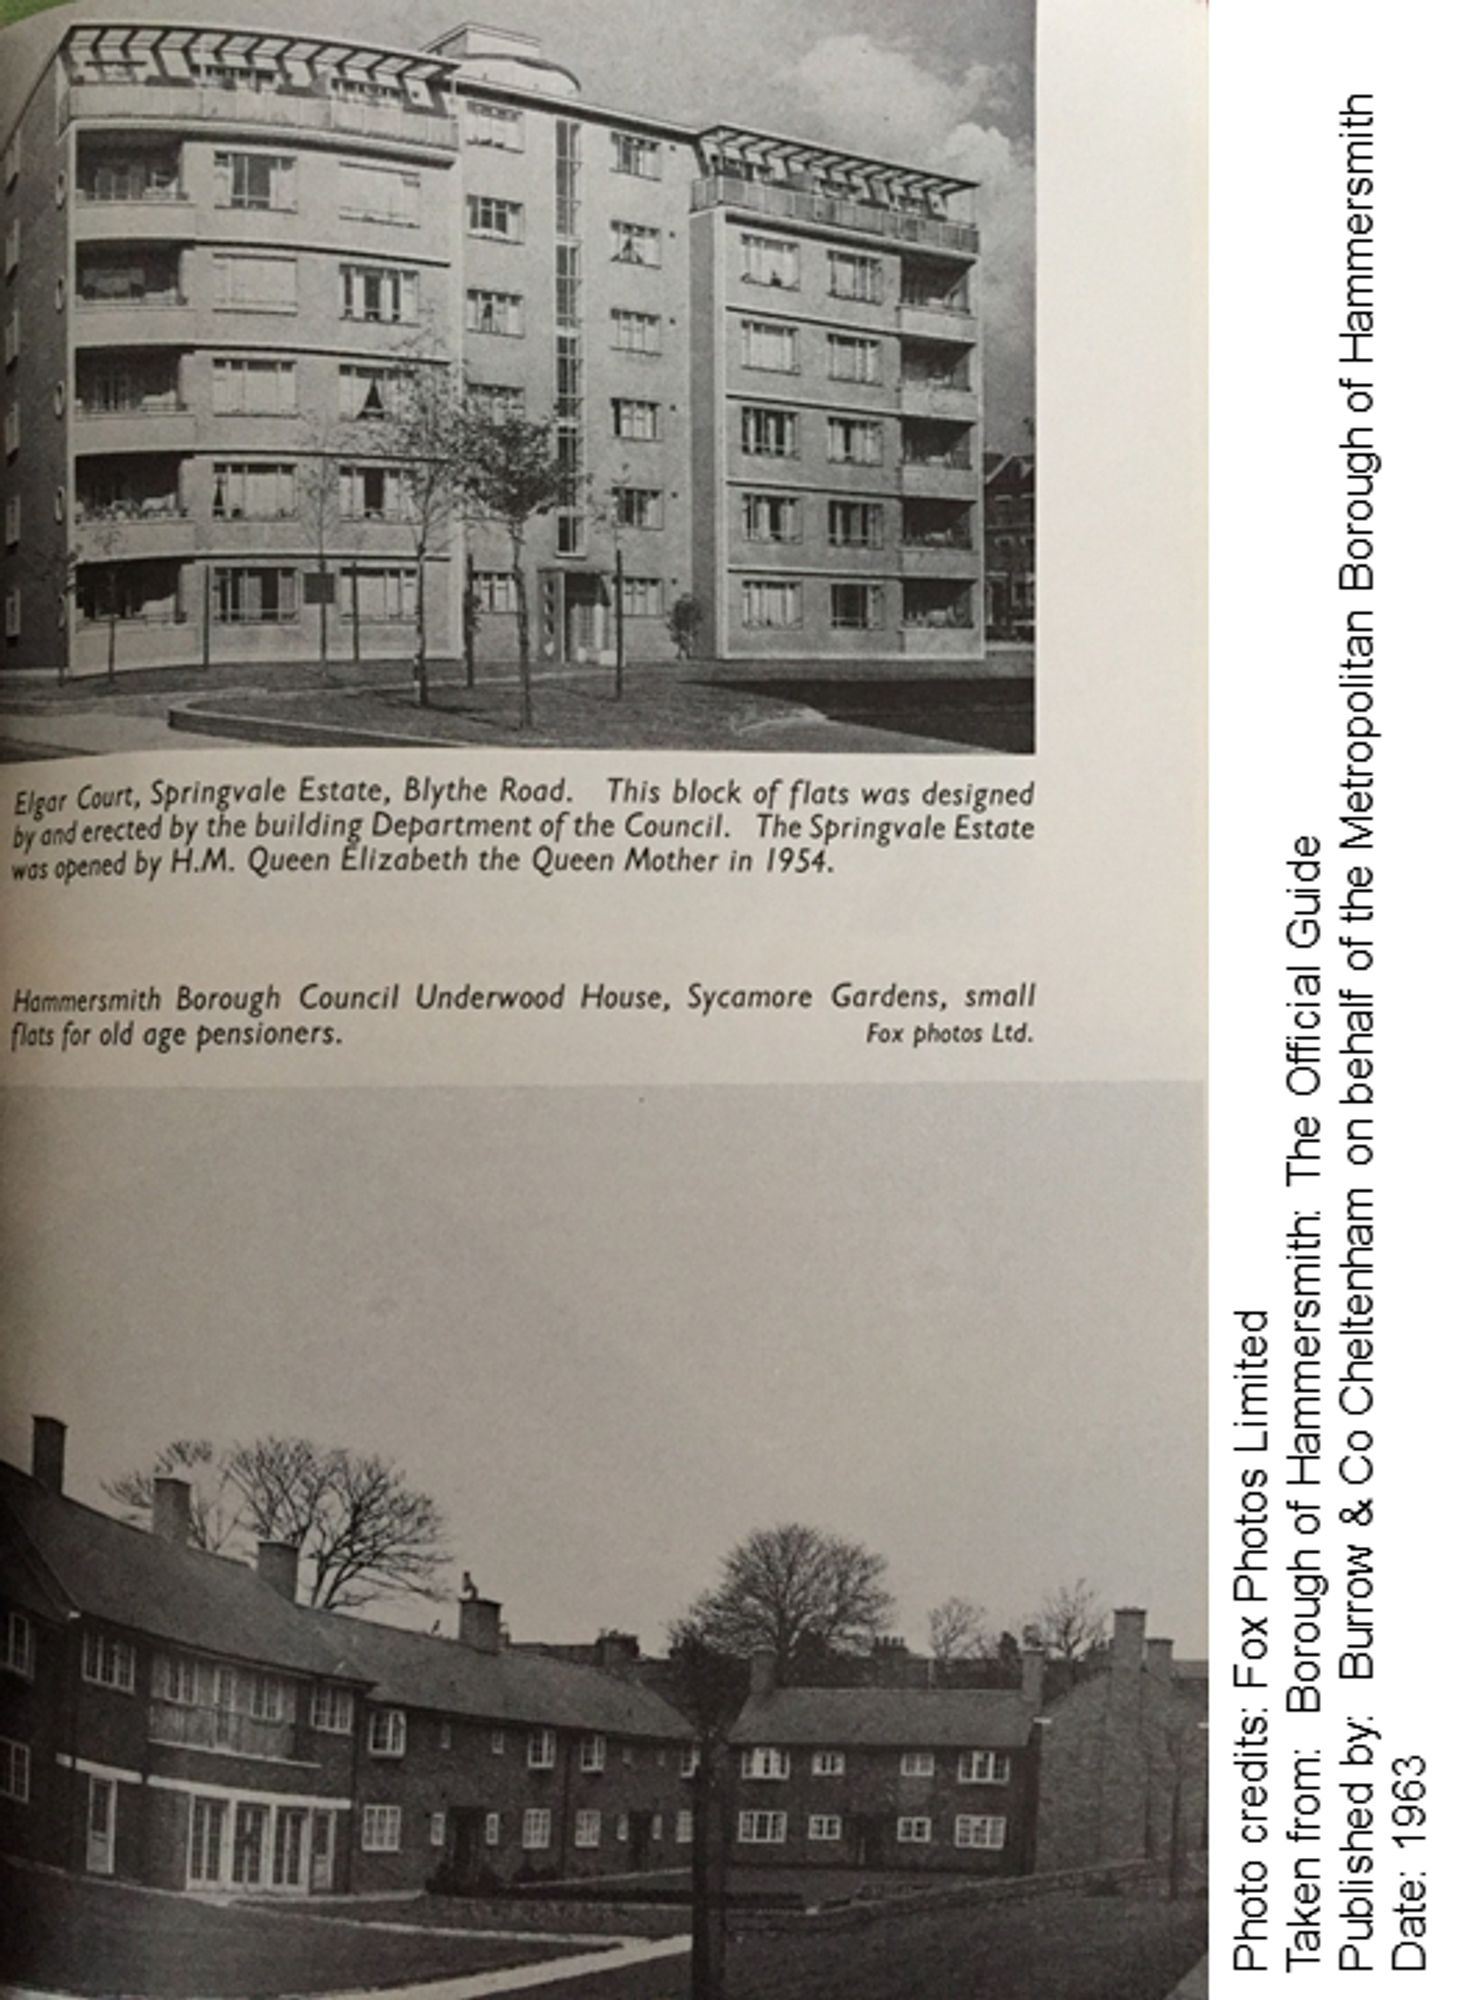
x=761, y=359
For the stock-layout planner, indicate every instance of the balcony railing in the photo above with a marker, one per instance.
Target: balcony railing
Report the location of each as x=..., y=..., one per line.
x=217, y=1728
x=836, y=212
x=151, y=507
x=167, y=104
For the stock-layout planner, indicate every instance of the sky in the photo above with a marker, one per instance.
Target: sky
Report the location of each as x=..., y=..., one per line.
x=945, y=84
x=614, y=1331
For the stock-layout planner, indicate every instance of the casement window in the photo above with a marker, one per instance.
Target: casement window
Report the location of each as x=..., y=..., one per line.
x=688, y=1761
x=368, y=393
x=764, y=1761
x=771, y=260
x=683, y=1827
x=496, y=591
x=144, y=593
x=623, y=1828
x=771, y=517
x=379, y=292
x=372, y=493
x=437, y=1833
x=246, y=491
x=536, y=1829
x=254, y=180
x=637, y=333
x=378, y=194
x=252, y=282
x=108, y=1662
x=918, y=1764
x=387, y=1732
x=592, y=1753
x=491, y=1834
x=498, y=402
x=655, y=1829
x=853, y=359
x=853, y=441
x=129, y=176
x=763, y=1829
x=497, y=125
x=914, y=1832
x=12, y=246
x=769, y=433
x=984, y=1767
x=638, y=506
x=255, y=596
x=770, y=345
x=14, y=1770
x=588, y=1830
x=635, y=420
x=986, y=1830
x=541, y=1750
x=332, y=1710
x=500, y=221
x=637, y=243
x=177, y=1678
x=18, y=1653
x=854, y=277
x=380, y=1829
x=12, y=337
x=495, y=312
x=855, y=524
x=12, y=520
x=642, y=596
x=825, y=1826
x=12, y=612
x=770, y=601
x=638, y=156
x=855, y=607
x=12, y=430
x=828, y=1764
x=254, y=388
x=498, y=1742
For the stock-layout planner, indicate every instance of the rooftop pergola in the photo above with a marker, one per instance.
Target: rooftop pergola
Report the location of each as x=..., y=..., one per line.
x=854, y=173
x=177, y=52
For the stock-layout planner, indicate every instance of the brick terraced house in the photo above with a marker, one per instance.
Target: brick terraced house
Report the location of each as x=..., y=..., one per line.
x=761, y=357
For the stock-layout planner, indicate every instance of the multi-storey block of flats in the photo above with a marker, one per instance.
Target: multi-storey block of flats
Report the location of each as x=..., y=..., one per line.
x=760, y=357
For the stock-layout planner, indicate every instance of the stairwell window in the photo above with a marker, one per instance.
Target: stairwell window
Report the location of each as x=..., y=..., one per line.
x=108, y=1662
x=379, y=292
x=18, y=1653
x=500, y=221
x=592, y=1756
x=771, y=260
x=495, y=312
x=249, y=281
x=983, y=1830
x=542, y=1750
x=254, y=180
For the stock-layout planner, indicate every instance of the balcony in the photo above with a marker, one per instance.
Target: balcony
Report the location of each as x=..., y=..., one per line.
x=927, y=319
x=938, y=559
x=245, y=110
x=142, y=219
x=149, y=427
x=821, y=210
x=941, y=399
x=937, y=479
x=221, y=1728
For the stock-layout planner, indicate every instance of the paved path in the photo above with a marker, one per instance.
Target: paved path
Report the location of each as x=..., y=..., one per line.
x=62, y=732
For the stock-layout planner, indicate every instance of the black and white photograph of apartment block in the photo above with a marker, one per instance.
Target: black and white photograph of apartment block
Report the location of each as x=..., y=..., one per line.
x=765, y=365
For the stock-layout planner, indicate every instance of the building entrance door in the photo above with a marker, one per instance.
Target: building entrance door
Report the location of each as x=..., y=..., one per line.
x=321, y=1854
x=101, y=1827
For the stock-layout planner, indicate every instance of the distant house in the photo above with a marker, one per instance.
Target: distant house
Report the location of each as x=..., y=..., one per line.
x=1009, y=489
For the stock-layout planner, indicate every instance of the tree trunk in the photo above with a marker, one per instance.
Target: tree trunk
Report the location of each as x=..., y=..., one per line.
x=523, y=632
x=468, y=608
x=323, y=623
x=422, y=669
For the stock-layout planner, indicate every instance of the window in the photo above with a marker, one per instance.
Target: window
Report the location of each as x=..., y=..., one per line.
x=825, y=1826
x=642, y=596
x=12, y=159
x=109, y=1662
x=688, y=1761
x=332, y=1709
x=371, y=493
x=828, y=1764
x=769, y=433
x=12, y=430
x=638, y=506
x=636, y=420
x=983, y=1767
x=770, y=601
x=492, y=1835
x=854, y=360
x=387, y=1732
x=368, y=393
x=592, y=1756
x=19, y=1647
x=770, y=344
x=493, y=125
x=444, y=1738
x=918, y=1764
x=501, y=221
x=12, y=337
x=12, y=520
x=498, y=402
x=261, y=597
x=254, y=180
x=914, y=1832
x=250, y=283
x=853, y=277
x=384, y=596
x=980, y=1830
x=379, y=292
x=588, y=1831
x=771, y=517
x=176, y=1678
x=655, y=1830
x=498, y=1742
x=622, y=1829
x=636, y=243
x=855, y=524
x=249, y=492
x=851, y=441
x=437, y=1829
x=541, y=1750
x=254, y=389
x=635, y=155
x=536, y=1828
x=637, y=333
x=380, y=1830
x=14, y=1770
x=855, y=607
x=496, y=591
x=771, y=260
x=495, y=312
x=12, y=246
x=378, y=194
x=762, y=1829
x=764, y=1761
x=12, y=612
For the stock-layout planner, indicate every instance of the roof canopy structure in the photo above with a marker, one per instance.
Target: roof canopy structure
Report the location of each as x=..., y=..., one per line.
x=778, y=159
x=176, y=51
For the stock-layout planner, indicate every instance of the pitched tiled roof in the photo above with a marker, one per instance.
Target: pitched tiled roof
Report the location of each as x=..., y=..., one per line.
x=107, y=1569
x=423, y=1670
x=887, y=1718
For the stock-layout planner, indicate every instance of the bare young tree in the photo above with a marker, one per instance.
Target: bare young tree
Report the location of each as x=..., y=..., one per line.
x=1071, y=1622
x=422, y=435
x=957, y=1629
x=795, y=1591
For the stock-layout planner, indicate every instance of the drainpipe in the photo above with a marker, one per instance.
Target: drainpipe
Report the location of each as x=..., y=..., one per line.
x=569, y=1744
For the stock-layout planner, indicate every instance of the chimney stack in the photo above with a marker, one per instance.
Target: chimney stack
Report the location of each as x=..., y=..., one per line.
x=278, y=1566
x=762, y=1672
x=172, y=1511
x=1127, y=1653
x=1033, y=1660
x=615, y=1650
x=48, y=1453
x=1159, y=1658
x=480, y=1621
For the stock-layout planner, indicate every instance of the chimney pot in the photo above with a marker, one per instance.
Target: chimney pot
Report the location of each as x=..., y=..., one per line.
x=278, y=1566
x=1033, y=1660
x=479, y=1623
x=1159, y=1658
x=172, y=1510
x=1128, y=1647
x=48, y=1453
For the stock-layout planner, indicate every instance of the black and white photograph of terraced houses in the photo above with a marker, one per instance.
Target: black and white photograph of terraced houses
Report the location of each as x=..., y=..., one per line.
x=650, y=376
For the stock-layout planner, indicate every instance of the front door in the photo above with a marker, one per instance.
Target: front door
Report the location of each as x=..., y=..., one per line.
x=290, y=1834
x=321, y=1854
x=101, y=1827
x=640, y=1838
x=868, y=1840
